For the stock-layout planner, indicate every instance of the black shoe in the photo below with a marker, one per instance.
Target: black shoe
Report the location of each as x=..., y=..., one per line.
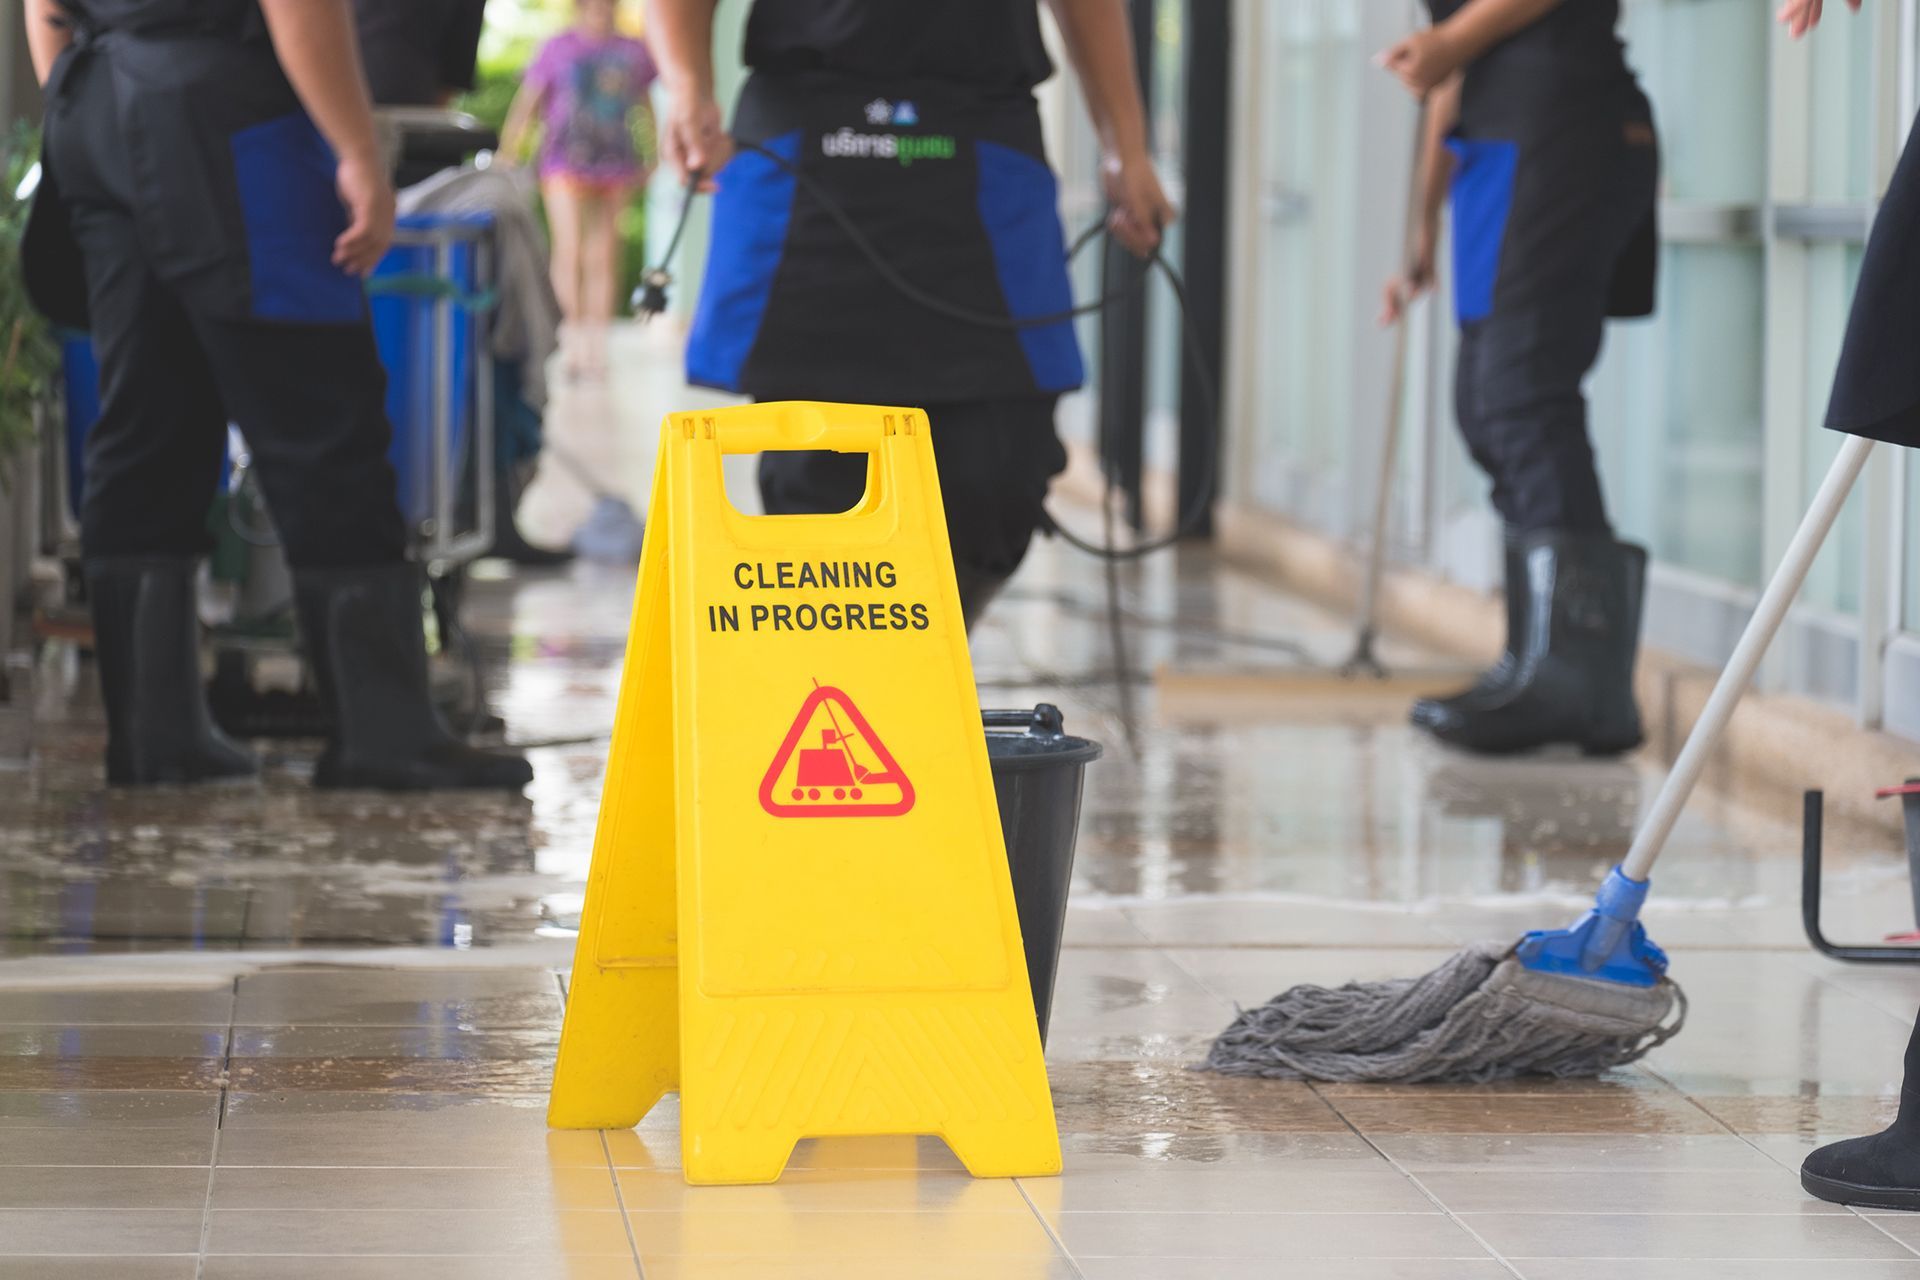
x=1438, y=713
x=368, y=650
x=977, y=591
x=1882, y=1170
x=1574, y=681
x=146, y=641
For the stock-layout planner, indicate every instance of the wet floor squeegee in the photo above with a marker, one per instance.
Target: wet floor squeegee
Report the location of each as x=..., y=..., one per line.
x=1561, y=1002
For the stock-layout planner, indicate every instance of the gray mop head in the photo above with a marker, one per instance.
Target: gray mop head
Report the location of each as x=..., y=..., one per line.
x=1480, y=1016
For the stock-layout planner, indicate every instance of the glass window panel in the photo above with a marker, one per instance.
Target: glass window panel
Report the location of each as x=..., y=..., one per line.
x=1840, y=131
x=1832, y=269
x=1677, y=415
x=1704, y=64
x=1307, y=188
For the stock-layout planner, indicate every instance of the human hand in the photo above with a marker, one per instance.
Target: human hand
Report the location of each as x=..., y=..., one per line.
x=367, y=192
x=693, y=141
x=1139, y=208
x=1802, y=16
x=1424, y=60
x=1401, y=291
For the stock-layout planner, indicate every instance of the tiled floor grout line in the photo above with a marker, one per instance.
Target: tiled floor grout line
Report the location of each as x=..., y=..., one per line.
x=620, y=1203
x=1875, y=1224
x=1058, y=1243
x=1418, y=1185
x=219, y=1124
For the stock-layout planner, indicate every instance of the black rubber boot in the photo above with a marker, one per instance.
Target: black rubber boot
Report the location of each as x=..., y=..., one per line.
x=1574, y=682
x=146, y=642
x=977, y=591
x=1882, y=1170
x=368, y=650
x=1435, y=713
x=509, y=543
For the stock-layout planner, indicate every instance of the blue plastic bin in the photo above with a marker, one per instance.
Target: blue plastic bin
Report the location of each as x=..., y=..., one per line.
x=404, y=328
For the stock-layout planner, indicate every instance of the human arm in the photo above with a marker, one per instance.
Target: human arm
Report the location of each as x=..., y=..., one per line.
x=1802, y=16
x=692, y=138
x=527, y=102
x=48, y=35
x=315, y=42
x=1101, y=48
x=1426, y=58
x=1436, y=172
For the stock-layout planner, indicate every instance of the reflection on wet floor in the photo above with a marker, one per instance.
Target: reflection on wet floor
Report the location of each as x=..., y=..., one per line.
x=327, y=1055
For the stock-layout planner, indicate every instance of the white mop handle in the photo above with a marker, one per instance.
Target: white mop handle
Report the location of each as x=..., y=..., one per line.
x=1767, y=616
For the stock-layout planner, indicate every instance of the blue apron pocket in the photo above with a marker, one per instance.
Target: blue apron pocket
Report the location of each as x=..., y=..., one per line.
x=284, y=171
x=1019, y=208
x=1482, y=197
x=751, y=211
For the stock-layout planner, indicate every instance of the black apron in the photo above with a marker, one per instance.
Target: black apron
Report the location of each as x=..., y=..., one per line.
x=1552, y=126
x=1876, y=388
x=952, y=187
x=230, y=186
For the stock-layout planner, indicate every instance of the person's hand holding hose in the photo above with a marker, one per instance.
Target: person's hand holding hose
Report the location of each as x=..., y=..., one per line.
x=1139, y=208
x=693, y=140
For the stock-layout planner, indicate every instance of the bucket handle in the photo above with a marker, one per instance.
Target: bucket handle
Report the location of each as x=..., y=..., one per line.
x=1044, y=719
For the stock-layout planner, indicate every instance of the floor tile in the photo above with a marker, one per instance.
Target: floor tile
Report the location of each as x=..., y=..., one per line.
x=1275, y=1236
x=399, y=1130
x=181, y=1144
x=80, y=1187
x=468, y=1232
x=814, y=1190
x=99, y=1231
x=830, y=1267
x=1616, y=1191
x=1809, y=1237
x=123, y=1109
x=416, y=1267
x=99, y=1267
x=844, y=1234
x=1634, y=1153
x=1724, y=1269
x=1168, y=1097
x=1625, y=1111
x=533, y=1190
x=1298, y=1187
x=209, y=1006
x=501, y=999
x=1271, y=1269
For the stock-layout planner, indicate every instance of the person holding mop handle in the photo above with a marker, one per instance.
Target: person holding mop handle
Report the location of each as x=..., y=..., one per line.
x=1536, y=124
x=1876, y=396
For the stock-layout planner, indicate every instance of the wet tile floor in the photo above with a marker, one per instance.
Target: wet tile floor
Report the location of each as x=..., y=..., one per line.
x=262, y=1032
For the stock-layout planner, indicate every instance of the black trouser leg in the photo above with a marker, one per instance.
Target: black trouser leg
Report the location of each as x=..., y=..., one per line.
x=994, y=458
x=1523, y=414
x=153, y=456
x=310, y=400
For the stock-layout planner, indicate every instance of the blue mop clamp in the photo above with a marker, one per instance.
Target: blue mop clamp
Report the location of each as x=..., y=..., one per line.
x=1608, y=943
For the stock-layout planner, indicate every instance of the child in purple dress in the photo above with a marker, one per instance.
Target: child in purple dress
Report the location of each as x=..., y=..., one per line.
x=586, y=85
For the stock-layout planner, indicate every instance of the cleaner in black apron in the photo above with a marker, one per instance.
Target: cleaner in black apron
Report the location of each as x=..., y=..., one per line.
x=212, y=234
x=918, y=117
x=1537, y=125
x=1876, y=393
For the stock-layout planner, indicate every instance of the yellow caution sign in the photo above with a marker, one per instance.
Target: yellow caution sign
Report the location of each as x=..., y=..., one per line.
x=799, y=913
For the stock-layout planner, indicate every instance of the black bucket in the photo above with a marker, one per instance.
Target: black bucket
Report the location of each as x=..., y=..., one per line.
x=1038, y=770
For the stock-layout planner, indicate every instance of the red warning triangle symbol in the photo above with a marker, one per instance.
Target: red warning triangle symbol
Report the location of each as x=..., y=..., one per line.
x=833, y=765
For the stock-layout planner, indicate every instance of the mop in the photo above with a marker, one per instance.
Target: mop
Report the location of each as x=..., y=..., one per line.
x=1560, y=1002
